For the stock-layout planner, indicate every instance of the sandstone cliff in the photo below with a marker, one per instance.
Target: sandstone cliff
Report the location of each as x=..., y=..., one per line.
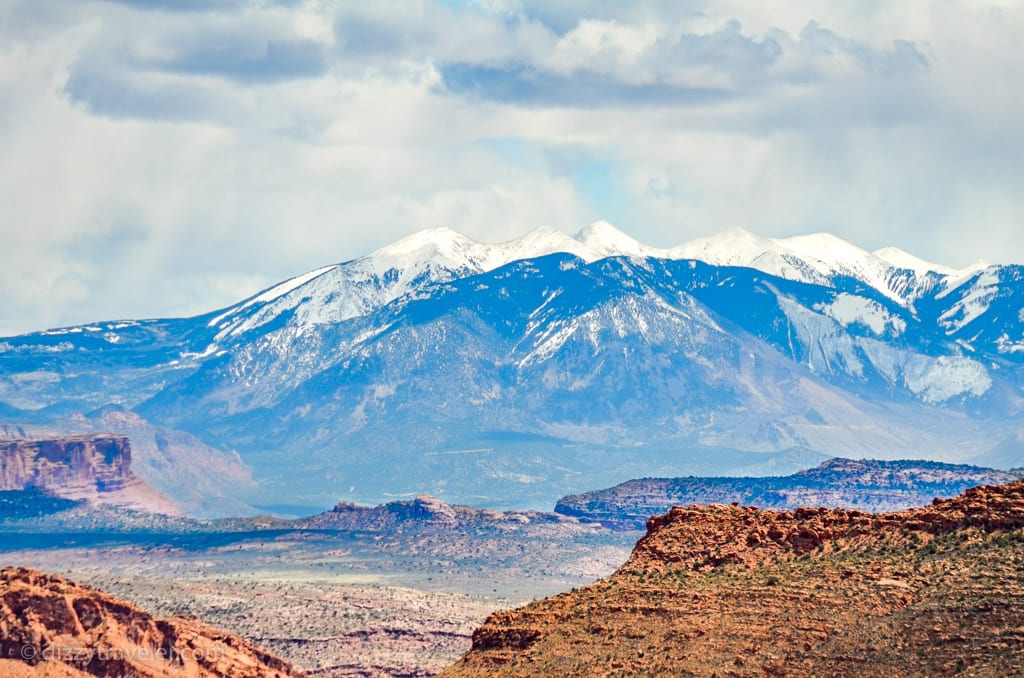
x=933, y=591
x=204, y=481
x=53, y=627
x=96, y=468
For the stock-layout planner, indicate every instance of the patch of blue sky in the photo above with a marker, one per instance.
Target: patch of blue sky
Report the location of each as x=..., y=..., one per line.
x=529, y=87
x=600, y=184
x=518, y=152
x=597, y=181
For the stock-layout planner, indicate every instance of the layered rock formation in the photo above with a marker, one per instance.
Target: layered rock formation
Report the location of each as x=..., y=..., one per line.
x=52, y=627
x=423, y=511
x=204, y=481
x=867, y=485
x=95, y=468
x=726, y=590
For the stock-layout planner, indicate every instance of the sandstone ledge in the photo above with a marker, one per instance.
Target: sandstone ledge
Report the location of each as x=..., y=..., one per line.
x=50, y=626
x=731, y=591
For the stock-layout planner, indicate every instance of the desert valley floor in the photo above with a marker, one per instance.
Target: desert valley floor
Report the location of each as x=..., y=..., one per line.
x=334, y=604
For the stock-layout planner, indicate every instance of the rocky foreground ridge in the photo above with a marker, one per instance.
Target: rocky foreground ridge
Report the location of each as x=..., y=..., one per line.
x=95, y=468
x=52, y=627
x=865, y=484
x=728, y=590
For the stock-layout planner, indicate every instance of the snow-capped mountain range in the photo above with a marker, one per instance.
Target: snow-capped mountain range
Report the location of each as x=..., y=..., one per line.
x=516, y=372
x=439, y=254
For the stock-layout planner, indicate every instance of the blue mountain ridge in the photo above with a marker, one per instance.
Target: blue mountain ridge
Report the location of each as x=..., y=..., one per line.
x=551, y=375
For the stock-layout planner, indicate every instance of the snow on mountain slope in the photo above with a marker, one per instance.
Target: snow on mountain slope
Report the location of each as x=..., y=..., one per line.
x=551, y=360
x=273, y=335
x=834, y=256
x=823, y=340
x=445, y=248
x=817, y=259
x=597, y=353
x=735, y=247
x=352, y=289
x=645, y=356
x=537, y=243
x=355, y=288
x=601, y=239
x=738, y=247
x=278, y=322
x=901, y=259
x=976, y=296
x=271, y=294
x=982, y=312
x=850, y=308
x=558, y=316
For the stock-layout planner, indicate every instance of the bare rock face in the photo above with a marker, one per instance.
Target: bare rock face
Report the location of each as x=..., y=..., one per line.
x=740, y=591
x=703, y=537
x=204, y=481
x=96, y=468
x=427, y=512
x=52, y=627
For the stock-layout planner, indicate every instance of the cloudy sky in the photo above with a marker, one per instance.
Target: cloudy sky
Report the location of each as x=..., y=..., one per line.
x=167, y=157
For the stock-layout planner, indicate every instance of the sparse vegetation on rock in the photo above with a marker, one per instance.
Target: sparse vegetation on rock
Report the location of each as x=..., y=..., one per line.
x=51, y=626
x=726, y=590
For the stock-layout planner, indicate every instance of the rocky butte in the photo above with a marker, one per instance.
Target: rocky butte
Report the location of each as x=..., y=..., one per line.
x=428, y=511
x=94, y=468
x=50, y=627
x=727, y=590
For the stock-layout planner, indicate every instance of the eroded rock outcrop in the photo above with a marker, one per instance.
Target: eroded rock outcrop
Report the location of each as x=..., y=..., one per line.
x=96, y=468
x=425, y=511
x=52, y=627
x=728, y=590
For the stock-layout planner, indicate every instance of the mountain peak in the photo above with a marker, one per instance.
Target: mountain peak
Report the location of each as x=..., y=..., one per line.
x=537, y=243
x=902, y=259
x=432, y=240
x=605, y=240
x=735, y=247
x=824, y=247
